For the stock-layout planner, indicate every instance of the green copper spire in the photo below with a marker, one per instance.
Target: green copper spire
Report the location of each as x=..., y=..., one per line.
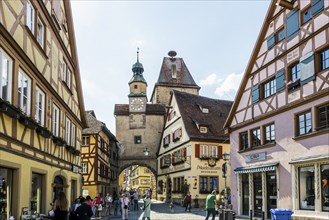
x=138, y=67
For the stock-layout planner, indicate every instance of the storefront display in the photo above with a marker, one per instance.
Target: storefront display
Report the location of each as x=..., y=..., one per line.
x=6, y=177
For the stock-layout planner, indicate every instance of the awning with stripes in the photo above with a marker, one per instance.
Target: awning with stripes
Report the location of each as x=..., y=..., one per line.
x=255, y=169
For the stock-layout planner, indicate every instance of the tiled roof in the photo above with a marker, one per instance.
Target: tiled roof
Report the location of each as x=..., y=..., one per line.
x=151, y=109
x=95, y=126
x=190, y=108
x=183, y=78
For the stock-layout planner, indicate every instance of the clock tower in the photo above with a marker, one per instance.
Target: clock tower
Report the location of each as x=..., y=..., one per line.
x=137, y=87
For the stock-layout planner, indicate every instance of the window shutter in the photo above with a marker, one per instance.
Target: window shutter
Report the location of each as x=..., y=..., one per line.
x=292, y=24
x=197, y=150
x=307, y=68
x=255, y=93
x=271, y=41
x=317, y=6
x=279, y=77
x=184, y=154
x=220, y=152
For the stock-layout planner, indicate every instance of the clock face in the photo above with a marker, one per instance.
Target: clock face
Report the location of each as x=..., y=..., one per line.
x=137, y=104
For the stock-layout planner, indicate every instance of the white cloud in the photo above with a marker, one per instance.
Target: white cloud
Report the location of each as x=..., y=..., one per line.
x=229, y=86
x=210, y=80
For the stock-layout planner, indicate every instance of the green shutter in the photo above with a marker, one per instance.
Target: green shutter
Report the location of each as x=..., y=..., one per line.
x=255, y=93
x=279, y=77
x=317, y=6
x=292, y=24
x=307, y=68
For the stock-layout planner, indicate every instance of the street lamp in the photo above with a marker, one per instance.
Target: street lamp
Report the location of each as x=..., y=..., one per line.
x=226, y=157
x=146, y=151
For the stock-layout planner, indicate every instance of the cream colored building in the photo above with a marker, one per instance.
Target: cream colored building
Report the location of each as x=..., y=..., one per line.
x=142, y=179
x=192, y=146
x=41, y=106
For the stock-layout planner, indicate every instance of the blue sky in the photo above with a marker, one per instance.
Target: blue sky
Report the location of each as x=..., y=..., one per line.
x=215, y=39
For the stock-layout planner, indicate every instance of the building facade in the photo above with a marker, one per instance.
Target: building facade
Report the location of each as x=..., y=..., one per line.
x=190, y=153
x=279, y=121
x=41, y=106
x=99, y=147
x=142, y=179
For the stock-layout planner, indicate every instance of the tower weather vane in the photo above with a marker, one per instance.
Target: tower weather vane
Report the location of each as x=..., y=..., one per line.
x=137, y=54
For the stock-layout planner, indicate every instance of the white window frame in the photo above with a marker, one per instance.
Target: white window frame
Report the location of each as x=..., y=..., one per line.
x=64, y=71
x=30, y=16
x=40, y=106
x=6, y=72
x=56, y=114
x=213, y=151
x=68, y=131
x=84, y=167
x=204, y=151
x=203, y=129
x=22, y=78
x=73, y=140
x=40, y=32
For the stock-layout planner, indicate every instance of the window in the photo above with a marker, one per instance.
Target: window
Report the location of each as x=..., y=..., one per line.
x=68, y=78
x=280, y=35
x=269, y=133
x=85, y=140
x=135, y=86
x=178, y=183
x=36, y=192
x=205, y=110
x=292, y=24
x=177, y=134
x=208, y=184
x=30, y=16
x=40, y=32
x=173, y=71
x=138, y=139
x=84, y=168
x=24, y=92
x=165, y=161
x=66, y=74
x=171, y=115
x=179, y=156
x=213, y=151
x=244, y=140
x=323, y=117
x=204, y=152
x=55, y=121
x=324, y=59
x=255, y=137
x=5, y=76
x=294, y=77
x=203, y=129
x=304, y=123
x=269, y=88
x=325, y=187
x=166, y=140
x=306, y=188
x=255, y=93
x=68, y=131
x=73, y=142
x=39, y=106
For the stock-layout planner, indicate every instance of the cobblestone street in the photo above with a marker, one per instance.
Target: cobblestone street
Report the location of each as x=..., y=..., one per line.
x=161, y=210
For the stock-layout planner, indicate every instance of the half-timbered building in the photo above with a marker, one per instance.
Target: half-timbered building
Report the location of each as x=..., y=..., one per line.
x=98, y=146
x=280, y=118
x=41, y=106
x=191, y=148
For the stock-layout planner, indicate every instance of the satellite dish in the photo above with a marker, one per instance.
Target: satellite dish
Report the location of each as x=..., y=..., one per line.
x=172, y=53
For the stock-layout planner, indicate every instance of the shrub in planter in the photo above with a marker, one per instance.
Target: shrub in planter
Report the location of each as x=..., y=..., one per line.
x=28, y=121
x=9, y=109
x=44, y=132
x=59, y=141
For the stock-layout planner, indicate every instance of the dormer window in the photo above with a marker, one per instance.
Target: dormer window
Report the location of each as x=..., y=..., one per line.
x=205, y=110
x=203, y=129
x=173, y=71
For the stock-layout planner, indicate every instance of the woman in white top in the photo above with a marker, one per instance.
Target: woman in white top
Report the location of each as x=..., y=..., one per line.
x=124, y=207
x=147, y=207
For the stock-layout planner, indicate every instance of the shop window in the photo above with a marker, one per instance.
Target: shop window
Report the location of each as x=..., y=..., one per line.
x=178, y=184
x=6, y=190
x=36, y=192
x=323, y=117
x=255, y=137
x=306, y=188
x=208, y=184
x=269, y=133
x=244, y=143
x=245, y=194
x=304, y=123
x=325, y=187
x=5, y=76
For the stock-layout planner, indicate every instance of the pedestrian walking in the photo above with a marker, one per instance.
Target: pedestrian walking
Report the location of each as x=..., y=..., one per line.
x=84, y=211
x=210, y=205
x=136, y=198
x=108, y=203
x=125, y=207
x=116, y=205
x=147, y=207
x=61, y=207
x=188, y=201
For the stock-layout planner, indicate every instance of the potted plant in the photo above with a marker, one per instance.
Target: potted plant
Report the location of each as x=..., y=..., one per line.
x=9, y=109
x=59, y=141
x=44, y=132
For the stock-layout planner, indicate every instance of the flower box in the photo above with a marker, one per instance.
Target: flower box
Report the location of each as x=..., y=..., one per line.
x=28, y=122
x=77, y=152
x=44, y=132
x=59, y=141
x=9, y=109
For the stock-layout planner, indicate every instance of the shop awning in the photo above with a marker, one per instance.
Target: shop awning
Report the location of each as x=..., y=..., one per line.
x=255, y=169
